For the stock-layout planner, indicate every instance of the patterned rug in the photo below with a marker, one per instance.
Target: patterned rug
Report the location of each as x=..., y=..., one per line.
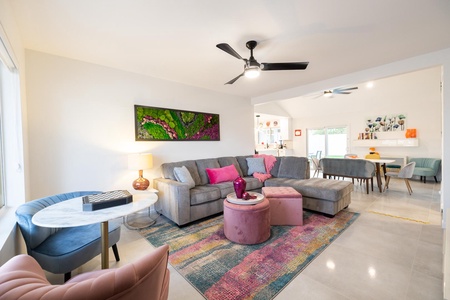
x=220, y=269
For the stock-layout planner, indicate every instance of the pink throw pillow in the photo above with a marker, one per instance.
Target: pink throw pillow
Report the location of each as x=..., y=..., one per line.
x=228, y=173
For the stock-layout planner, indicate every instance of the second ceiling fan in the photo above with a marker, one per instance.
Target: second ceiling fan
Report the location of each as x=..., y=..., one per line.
x=342, y=91
x=252, y=68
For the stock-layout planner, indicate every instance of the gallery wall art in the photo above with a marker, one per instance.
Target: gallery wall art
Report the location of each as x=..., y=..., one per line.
x=386, y=123
x=165, y=124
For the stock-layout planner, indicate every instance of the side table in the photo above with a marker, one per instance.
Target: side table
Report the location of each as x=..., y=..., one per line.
x=143, y=218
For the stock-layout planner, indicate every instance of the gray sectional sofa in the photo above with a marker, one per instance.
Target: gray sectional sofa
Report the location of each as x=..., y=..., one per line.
x=183, y=204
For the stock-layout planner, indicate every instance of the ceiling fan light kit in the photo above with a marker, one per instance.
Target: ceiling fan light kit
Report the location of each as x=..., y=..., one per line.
x=252, y=68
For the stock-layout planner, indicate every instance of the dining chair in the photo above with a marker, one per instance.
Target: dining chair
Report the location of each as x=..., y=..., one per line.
x=316, y=166
x=405, y=173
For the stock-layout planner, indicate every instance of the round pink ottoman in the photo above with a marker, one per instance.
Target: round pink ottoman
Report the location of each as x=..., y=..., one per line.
x=247, y=224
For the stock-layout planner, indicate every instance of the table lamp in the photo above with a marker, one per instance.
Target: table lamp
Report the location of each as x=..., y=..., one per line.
x=140, y=161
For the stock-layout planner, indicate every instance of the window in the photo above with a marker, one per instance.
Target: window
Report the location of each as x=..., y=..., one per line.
x=12, y=180
x=327, y=141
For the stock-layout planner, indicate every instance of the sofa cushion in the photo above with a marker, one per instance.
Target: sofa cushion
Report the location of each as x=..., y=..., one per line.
x=182, y=174
x=242, y=160
x=167, y=170
x=225, y=188
x=256, y=165
x=253, y=183
x=202, y=164
x=319, y=188
x=226, y=161
x=224, y=174
x=293, y=167
x=204, y=193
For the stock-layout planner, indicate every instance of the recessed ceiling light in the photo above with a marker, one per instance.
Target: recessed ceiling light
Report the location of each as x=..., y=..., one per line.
x=369, y=85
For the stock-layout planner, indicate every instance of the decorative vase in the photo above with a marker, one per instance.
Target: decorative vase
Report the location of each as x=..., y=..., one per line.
x=239, y=186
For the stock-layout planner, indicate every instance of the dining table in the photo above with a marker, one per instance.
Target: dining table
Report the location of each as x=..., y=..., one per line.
x=380, y=163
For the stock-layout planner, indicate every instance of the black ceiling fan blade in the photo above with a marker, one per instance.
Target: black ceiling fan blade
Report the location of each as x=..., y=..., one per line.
x=227, y=48
x=235, y=78
x=284, y=66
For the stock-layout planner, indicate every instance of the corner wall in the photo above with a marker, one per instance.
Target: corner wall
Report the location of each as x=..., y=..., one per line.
x=81, y=124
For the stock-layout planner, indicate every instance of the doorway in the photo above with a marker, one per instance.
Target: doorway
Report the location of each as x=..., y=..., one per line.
x=327, y=141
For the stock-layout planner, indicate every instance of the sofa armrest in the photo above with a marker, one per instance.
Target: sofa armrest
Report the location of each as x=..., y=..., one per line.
x=174, y=199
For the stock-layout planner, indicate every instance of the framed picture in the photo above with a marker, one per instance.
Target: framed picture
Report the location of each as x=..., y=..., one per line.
x=165, y=124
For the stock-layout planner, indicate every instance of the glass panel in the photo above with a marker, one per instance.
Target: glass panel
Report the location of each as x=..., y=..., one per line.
x=328, y=141
x=336, y=141
x=316, y=142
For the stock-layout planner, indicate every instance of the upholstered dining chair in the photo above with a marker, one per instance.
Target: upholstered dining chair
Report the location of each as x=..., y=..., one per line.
x=147, y=278
x=61, y=250
x=405, y=173
x=316, y=166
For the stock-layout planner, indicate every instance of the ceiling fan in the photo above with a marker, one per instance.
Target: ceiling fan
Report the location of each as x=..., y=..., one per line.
x=252, y=68
x=330, y=93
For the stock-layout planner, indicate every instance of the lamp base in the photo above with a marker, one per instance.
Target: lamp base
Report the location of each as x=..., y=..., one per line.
x=141, y=184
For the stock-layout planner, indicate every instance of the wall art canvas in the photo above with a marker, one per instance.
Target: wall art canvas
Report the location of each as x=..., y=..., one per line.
x=386, y=123
x=165, y=124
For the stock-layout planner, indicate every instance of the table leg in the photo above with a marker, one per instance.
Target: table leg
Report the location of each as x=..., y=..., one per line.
x=378, y=174
x=105, y=242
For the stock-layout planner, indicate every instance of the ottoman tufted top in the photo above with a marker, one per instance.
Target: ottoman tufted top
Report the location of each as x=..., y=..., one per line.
x=280, y=192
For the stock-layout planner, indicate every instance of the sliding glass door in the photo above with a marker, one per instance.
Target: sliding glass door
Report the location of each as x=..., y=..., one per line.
x=327, y=141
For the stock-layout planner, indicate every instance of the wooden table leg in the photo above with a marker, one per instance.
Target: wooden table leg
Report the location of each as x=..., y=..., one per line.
x=378, y=174
x=105, y=242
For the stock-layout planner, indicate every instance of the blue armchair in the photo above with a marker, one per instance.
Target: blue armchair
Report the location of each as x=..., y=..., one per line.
x=426, y=167
x=61, y=250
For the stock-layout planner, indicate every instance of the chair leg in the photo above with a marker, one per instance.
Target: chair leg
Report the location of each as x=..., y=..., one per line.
x=116, y=252
x=408, y=186
x=435, y=179
x=67, y=276
x=386, y=184
x=371, y=183
x=367, y=186
x=424, y=179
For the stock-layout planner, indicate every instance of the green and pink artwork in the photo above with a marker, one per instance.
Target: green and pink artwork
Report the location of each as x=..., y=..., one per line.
x=164, y=124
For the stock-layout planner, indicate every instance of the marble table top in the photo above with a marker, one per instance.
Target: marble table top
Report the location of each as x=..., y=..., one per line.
x=70, y=213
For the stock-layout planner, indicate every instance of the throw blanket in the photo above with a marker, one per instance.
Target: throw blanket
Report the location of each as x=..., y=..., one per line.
x=269, y=161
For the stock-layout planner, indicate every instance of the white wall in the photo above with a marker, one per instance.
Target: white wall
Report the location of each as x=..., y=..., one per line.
x=415, y=94
x=81, y=124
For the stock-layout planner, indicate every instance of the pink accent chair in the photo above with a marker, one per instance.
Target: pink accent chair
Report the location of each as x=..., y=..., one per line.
x=147, y=278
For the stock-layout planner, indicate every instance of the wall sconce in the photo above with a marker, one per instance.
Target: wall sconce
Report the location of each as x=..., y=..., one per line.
x=140, y=162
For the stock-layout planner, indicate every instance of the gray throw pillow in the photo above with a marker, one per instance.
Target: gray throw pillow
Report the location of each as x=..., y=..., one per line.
x=182, y=175
x=256, y=165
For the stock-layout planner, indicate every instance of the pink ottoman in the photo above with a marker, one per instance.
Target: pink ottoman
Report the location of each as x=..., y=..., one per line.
x=246, y=224
x=286, y=205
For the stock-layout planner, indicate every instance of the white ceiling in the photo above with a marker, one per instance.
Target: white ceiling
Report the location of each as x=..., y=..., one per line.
x=175, y=40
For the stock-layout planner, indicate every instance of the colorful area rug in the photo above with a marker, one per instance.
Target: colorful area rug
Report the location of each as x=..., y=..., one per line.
x=220, y=269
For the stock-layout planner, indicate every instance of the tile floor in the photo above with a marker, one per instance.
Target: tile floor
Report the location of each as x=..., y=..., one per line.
x=392, y=251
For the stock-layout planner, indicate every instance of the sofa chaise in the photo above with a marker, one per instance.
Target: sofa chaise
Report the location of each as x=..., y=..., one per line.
x=184, y=201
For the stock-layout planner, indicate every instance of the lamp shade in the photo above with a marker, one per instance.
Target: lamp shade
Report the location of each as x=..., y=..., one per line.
x=140, y=161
